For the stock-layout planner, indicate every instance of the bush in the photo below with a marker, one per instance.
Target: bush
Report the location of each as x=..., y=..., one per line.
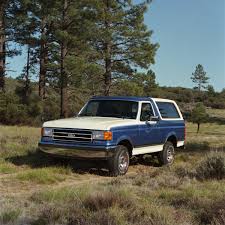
x=13, y=111
x=212, y=167
x=100, y=201
x=213, y=213
x=98, y=218
x=182, y=171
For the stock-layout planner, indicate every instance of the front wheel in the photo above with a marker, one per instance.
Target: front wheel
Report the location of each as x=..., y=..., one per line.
x=166, y=156
x=119, y=163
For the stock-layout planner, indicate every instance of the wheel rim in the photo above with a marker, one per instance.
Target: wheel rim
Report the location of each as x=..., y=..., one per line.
x=123, y=162
x=170, y=154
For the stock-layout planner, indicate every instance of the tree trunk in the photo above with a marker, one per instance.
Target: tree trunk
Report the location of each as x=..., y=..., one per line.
x=64, y=77
x=198, y=127
x=108, y=71
x=43, y=59
x=108, y=60
x=2, y=48
x=199, y=87
x=27, y=76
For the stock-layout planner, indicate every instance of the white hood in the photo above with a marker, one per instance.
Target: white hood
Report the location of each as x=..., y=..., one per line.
x=91, y=123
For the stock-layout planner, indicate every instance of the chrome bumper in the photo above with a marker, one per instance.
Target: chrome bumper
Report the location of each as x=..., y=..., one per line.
x=83, y=152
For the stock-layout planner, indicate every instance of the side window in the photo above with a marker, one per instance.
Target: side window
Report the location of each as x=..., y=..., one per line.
x=168, y=110
x=146, y=111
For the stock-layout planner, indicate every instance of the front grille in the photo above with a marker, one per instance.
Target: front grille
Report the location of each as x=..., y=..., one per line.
x=72, y=135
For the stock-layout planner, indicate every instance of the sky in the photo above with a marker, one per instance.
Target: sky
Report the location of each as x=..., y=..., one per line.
x=189, y=32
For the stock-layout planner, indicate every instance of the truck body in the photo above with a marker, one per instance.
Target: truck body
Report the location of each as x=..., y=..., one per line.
x=115, y=129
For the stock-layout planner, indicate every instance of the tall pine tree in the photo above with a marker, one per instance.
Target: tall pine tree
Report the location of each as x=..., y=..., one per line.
x=199, y=77
x=33, y=22
x=121, y=39
x=45, y=13
x=72, y=37
x=3, y=4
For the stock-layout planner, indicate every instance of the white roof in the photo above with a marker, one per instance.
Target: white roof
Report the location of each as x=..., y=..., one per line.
x=162, y=100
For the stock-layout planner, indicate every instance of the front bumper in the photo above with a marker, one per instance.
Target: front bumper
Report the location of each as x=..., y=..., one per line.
x=80, y=152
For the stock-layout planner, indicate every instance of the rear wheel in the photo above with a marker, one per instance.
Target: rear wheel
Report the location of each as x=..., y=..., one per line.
x=166, y=156
x=119, y=163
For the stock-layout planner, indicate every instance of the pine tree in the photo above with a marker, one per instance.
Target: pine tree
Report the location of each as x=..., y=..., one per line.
x=45, y=13
x=121, y=38
x=76, y=60
x=33, y=22
x=24, y=89
x=7, y=32
x=43, y=57
x=2, y=44
x=199, y=77
x=24, y=26
x=211, y=91
x=199, y=115
x=146, y=80
x=63, y=72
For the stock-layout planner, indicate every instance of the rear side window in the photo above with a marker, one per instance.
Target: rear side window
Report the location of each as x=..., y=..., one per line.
x=168, y=110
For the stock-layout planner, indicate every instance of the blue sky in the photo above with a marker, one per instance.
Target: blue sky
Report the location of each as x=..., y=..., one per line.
x=189, y=32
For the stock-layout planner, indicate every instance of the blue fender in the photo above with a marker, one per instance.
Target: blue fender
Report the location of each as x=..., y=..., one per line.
x=172, y=133
x=123, y=138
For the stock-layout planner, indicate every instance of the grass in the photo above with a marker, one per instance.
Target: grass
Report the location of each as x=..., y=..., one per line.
x=9, y=216
x=211, y=135
x=47, y=191
x=219, y=113
x=44, y=175
x=7, y=168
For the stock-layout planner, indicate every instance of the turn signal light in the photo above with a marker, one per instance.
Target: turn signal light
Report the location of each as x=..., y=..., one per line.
x=107, y=135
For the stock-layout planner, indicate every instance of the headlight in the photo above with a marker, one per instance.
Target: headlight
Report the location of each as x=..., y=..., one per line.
x=102, y=135
x=47, y=132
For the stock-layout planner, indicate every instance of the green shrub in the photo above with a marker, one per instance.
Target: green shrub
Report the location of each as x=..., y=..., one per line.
x=212, y=167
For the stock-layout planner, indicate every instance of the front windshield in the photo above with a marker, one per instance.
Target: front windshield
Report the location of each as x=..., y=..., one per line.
x=111, y=108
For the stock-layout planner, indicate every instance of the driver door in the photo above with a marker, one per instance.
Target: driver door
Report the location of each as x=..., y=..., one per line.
x=149, y=133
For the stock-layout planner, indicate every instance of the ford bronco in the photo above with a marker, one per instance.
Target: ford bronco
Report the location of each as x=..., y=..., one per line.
x=115, y=129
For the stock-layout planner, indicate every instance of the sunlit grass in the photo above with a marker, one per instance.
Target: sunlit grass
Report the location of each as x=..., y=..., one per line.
x=7, y=168
x=211, y=134
x=44, y=175
x=216, y=112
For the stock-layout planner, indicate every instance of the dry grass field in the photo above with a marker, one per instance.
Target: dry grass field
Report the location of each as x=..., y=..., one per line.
x=36, y=190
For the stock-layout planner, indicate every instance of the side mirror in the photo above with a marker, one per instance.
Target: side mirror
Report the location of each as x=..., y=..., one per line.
x=154, y=118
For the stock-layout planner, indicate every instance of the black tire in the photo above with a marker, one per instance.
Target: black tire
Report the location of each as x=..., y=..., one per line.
x=166, y=156
x=119, y=163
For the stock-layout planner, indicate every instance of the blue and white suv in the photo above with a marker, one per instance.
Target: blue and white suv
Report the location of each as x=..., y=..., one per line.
x=117, y=128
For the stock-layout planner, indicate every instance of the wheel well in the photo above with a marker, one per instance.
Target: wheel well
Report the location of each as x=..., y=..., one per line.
x=173, y=139
x=128, y=145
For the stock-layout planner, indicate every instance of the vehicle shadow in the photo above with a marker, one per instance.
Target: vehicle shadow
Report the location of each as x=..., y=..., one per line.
x=96, y=167
x=38, y=159
x=145, y=160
